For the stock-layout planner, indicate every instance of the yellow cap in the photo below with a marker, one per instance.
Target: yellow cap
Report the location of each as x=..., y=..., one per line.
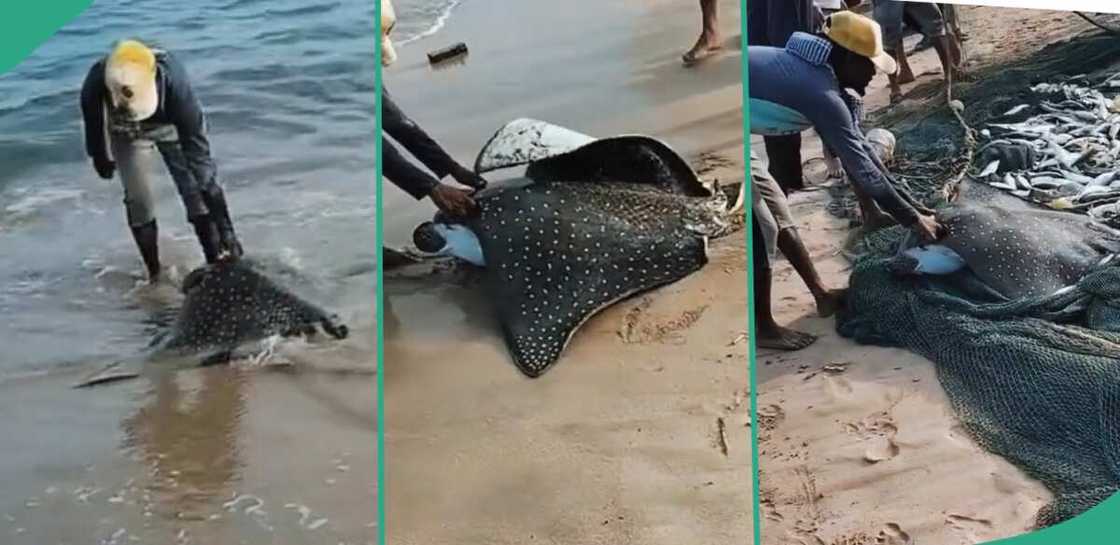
x=860, y=35
x=130, y=77
x=388, y=20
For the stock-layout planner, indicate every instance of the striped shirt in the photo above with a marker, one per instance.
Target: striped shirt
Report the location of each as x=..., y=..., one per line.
x=794, y=88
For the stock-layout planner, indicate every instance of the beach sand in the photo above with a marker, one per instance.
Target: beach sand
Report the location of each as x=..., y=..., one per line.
x=858, y=444
x=620, y=442
x=156, y=460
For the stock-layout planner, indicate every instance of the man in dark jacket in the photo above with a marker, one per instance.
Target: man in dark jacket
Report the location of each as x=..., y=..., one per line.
x=416, y=182
x=399, y=170
x=137, y=101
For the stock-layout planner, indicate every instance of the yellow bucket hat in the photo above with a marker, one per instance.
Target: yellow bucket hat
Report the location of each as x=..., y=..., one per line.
x=860, y=35
x=388, y=21
x=130, y=77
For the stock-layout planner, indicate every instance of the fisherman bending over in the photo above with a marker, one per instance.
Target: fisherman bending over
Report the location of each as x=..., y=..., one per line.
x=139, y=100
x=805, y=85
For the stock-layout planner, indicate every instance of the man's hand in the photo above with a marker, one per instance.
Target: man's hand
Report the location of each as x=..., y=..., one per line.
x=928, y=228
x=104, y=168
x=452, y=201
x=468, y=178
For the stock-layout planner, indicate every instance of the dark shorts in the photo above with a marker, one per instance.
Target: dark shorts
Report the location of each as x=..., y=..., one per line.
x=889, y=14
x=772, y=22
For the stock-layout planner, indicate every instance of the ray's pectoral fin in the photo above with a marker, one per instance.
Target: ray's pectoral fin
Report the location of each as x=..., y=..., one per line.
x=114, y=372
x=557, y=253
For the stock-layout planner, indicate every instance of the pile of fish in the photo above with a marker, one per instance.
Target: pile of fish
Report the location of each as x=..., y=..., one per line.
x=1066, y=155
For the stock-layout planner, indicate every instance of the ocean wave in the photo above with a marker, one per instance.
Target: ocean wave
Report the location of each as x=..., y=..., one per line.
x=31, y=202
x=437, y=25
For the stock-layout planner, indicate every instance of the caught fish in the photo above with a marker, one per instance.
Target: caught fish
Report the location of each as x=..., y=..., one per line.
x=1016, y=110
x=1105, y=179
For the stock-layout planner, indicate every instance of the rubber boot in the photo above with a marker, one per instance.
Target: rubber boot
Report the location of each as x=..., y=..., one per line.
x=216, y=202
x=147, y=240
x=208, y=238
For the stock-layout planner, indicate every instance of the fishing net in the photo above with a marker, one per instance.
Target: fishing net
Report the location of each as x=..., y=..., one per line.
x=932, y=150
x=1035, y=380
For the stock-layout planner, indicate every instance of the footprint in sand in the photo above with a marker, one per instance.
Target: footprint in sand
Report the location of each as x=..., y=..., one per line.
x=770, y=416
x=838, y=387
x=892, y=534
x=853, y=539
x=881, y=449
x=769, y=510
x=970, y=526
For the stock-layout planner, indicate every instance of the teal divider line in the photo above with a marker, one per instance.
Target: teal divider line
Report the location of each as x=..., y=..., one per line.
x=756, y=515
x=27, y=25
x=1095, y=526
x=379, y=292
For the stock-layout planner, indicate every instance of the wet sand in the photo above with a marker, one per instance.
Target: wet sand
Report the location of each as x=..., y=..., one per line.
x=620, y=442
x=858, y=444
x=158, y=459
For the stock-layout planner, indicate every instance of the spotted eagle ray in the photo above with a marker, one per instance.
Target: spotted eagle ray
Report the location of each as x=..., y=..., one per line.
x=1015, y=248
x=226, y=305
x=592, y=222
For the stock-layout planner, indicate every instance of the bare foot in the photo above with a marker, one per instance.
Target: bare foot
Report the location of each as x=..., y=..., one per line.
x=835, y=168
x=780, y=338
x=708, y=44
x=830, y=302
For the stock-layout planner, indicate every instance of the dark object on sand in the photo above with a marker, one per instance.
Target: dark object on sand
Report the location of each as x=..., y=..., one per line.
x=1012, y=156
x=600, y=220
x=227, y=305
x=447, y=53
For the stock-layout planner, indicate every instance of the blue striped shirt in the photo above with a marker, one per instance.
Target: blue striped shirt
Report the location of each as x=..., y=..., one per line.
x=794, y=88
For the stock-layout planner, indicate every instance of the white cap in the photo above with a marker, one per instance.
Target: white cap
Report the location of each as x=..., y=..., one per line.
x=388, y=21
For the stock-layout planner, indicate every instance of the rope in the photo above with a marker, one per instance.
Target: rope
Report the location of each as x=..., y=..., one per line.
x=1096, y=24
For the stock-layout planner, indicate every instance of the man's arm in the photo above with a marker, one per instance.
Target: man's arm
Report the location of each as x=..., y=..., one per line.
x=396, y=168
x=185, y=112
x=406, y=132
x=93, y=112
x=887, y=174
x=833, y=122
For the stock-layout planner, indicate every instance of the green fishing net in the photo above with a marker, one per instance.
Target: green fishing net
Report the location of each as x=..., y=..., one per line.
x=1036, y=380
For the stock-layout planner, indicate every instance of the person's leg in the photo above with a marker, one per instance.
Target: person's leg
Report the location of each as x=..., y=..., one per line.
x=770, y=334
x=889, y=14
x=952, y=21
x=828, y=301
x=933, y=24
x=134, y=163
x=199, y=215
x=784, y=155
x=790, y=244
x=709, y=41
